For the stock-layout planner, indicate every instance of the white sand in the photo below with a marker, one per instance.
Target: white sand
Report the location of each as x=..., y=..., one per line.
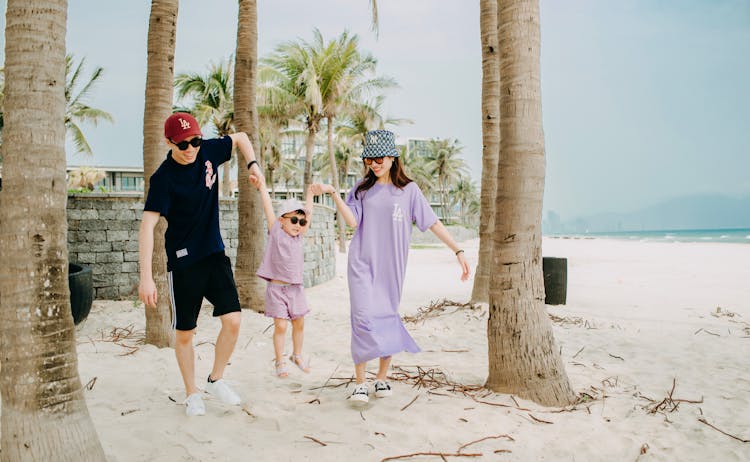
x=639, y=315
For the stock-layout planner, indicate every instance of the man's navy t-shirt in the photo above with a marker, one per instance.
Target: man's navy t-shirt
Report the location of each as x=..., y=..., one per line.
x=188, y=197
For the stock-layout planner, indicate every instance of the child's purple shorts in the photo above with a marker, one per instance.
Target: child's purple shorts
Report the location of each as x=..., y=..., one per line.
x=285, y=301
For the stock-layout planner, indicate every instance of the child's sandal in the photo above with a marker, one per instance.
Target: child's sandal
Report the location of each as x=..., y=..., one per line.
x=281, y=370
x=302, y=363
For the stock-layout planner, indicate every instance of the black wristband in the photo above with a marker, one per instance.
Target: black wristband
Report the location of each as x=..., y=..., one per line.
x=459, y=251
x=250, y=164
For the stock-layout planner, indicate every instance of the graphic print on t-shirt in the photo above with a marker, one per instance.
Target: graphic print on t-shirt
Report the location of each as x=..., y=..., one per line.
x=210, y=175
x=398, y=214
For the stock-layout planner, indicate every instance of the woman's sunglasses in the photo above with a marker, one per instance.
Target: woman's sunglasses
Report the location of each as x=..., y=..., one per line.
x=183, y=145
x=378, y=160
x=294, y=220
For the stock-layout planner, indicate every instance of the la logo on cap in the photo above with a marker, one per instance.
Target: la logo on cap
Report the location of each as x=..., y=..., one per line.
x=184, y=124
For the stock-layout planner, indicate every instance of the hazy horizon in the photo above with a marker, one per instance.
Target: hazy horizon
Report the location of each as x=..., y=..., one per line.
x=642, y=102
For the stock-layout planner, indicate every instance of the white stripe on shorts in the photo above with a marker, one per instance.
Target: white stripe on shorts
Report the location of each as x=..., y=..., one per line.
x=171, y=300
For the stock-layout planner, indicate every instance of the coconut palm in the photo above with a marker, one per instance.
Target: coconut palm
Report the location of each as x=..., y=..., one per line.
x=523, y=357
x=293, y=71
x=162, y=27
x=491, y=144
x=461, y=195
x=249, y=208
x=445, y=163
x=276, y=109
x=418, y=170
x=44, y=414
x=346, y=76
x=211, y=102
x=77, y=110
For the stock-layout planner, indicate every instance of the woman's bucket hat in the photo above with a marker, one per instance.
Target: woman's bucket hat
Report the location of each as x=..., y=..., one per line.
x=380, y=143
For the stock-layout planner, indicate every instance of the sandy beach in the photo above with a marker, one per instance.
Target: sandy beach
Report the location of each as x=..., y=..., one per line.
x=655, y=337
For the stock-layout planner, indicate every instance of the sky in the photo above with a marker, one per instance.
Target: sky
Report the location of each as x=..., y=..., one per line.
x=642, y=101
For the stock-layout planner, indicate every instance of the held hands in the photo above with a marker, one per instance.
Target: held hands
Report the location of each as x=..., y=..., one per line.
x=255, y=169
x=147, y=292
x=314, y=189
x=256, y=179
x=323, y=188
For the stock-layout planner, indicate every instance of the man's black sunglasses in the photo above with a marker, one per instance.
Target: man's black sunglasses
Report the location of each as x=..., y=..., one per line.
x=183, y=145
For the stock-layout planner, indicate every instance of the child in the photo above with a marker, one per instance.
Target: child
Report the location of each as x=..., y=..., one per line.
x=382, y=208
x=282, y=267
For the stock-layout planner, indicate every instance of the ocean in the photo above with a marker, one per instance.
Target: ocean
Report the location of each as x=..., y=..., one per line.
x=736, y=236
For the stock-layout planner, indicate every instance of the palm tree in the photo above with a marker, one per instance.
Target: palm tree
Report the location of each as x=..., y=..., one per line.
x=491, y=144
x=44, y=414
x=346, y=76
x=417, y=168
x=276, y=109
x=444, y=162
x=162, y=27
x=292, y=69
x=462, y=194
x=523, y=357
x=249, y=210
x=211, y=97
x=77, y=111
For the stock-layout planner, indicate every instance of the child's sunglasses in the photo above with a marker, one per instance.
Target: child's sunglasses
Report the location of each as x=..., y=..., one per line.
x=378, y=160
x=183, y=145
x=294, y=220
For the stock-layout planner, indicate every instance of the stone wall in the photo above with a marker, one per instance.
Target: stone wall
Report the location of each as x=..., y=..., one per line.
x=103, y=234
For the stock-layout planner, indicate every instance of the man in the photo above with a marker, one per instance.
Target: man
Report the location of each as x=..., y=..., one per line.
x=184, y=190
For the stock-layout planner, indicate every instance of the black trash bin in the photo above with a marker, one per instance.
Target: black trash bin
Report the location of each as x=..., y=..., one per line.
x=555, y=280
x=81, y=283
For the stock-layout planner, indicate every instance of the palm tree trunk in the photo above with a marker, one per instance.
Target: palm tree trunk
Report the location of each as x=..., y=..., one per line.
x=491, y=146
x=226, y=184
x=335, y=180
x=249, y=208
x=443, y=202
x=162, y=28
x=523, y=357
x=270, y=181
x=44, y=414
x=309, y=149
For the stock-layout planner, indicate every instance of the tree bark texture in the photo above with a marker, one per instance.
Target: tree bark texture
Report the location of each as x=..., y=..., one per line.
x=162, y=27
x=523, y=356
x=490, y=145
x=249, y=208
x=341, y=226
x=44, y=414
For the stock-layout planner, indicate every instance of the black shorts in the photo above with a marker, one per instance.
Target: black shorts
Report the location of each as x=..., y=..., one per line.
x=210, y=277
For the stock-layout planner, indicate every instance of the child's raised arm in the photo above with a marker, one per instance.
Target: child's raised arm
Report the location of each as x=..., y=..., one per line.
x=312, y=191
x=260, y=183
x=343, y=209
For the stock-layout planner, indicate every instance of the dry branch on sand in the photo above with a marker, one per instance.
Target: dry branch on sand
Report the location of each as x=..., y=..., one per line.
x=669, y=403
x=435, y=309
x=126, y=337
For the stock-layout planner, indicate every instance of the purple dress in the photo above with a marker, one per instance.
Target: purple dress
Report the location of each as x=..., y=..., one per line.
x=377, y=264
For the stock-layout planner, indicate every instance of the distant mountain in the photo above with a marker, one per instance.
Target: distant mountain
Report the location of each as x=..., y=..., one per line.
x=707, y=211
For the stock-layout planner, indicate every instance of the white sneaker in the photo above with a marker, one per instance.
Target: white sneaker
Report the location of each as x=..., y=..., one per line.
x=382, y=389
x=221, y=390
x=194, y=405
x=360, y=393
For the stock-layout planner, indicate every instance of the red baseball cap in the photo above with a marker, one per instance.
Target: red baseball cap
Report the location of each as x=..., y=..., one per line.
x=180, y=126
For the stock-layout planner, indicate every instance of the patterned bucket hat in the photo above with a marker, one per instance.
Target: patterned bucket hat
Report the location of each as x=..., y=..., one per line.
x=380, y=143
